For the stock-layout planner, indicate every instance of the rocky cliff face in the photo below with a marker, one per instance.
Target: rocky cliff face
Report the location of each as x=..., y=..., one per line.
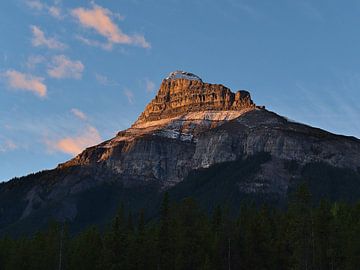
x=179, y=95
x=189, y=125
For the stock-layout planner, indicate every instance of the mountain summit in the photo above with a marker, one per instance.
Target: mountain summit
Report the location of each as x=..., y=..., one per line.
x=183, y=92
x=193, y=139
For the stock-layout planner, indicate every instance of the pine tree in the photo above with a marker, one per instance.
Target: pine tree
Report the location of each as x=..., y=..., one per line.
x=86, y=251
x=300, y=229
x=164, y=236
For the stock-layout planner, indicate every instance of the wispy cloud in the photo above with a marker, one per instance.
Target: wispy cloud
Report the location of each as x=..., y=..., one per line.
x=100, y=20
x=34, y=60
x=5, y=57
x=35, y=4
x=26, y=82
x=53, y=10
x=243, y=7
x=90, y=42
x=149, y=85
x=39, y=39
x=129, y=94
x=63, y=67
x=73, y=145
x=308, y=9
x=102, y=79
x=7, y=145
x=79, y=114
x=330, y=104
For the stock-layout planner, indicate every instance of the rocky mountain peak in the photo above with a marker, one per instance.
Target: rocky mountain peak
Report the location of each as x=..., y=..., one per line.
x=182, y=109
x=186, y=129
x=183, y=92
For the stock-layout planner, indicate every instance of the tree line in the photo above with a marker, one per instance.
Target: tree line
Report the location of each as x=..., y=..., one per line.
x=302, y=236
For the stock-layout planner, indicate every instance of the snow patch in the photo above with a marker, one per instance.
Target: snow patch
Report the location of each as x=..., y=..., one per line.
x=192, y=116
x=183, y=127
x=174, y=134
x=179, y=74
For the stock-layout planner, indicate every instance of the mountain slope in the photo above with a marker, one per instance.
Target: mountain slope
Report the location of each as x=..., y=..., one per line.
x=186, y=130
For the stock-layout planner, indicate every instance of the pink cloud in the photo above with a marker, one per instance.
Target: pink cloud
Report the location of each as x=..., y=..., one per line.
x=74, y=145
x=27, y=82
x=63, y=67
x=39, y=39
x=99, y=19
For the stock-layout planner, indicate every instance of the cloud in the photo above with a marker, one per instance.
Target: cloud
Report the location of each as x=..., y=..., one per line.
x=34, y=60
x=129, y=94
x=105, y=80
x=243, y=7
x=240, y=6
x=35, y=4
x=54, y=10
x=149, y=85
x=79, y=114
x=100, y=20
x=5, y=57
x=106, y=46
x=26, y=82
x=63, y=67
x=309, y=10
x=74, y=145
x=7, y=145
x=102, y=79
x=39, y=39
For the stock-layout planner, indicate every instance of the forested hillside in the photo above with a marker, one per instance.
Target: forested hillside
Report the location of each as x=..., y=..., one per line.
x=305, y=236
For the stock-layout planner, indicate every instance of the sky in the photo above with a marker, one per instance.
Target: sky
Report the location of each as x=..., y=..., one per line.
x=74, y=73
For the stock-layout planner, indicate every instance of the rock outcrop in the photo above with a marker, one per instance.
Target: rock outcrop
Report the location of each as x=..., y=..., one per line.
x=178, y=95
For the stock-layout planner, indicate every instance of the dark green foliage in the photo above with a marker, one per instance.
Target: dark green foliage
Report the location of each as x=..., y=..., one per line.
x=325, y=237
x=164, y=240
x=334, y=184
x=96, y=205
x=86, y=251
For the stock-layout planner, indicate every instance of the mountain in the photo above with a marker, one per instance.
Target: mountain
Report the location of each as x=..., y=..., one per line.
x=193, y=139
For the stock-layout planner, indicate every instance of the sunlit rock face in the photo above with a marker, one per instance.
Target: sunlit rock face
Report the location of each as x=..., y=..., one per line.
x=183, y=92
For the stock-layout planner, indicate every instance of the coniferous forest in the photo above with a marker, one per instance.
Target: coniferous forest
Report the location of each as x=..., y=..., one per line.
x=302, y=236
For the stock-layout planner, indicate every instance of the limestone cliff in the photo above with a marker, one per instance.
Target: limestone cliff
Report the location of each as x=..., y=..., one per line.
x=178, y=95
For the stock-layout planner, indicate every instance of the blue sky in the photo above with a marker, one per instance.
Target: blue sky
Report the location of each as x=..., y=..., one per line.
x=73, y=73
